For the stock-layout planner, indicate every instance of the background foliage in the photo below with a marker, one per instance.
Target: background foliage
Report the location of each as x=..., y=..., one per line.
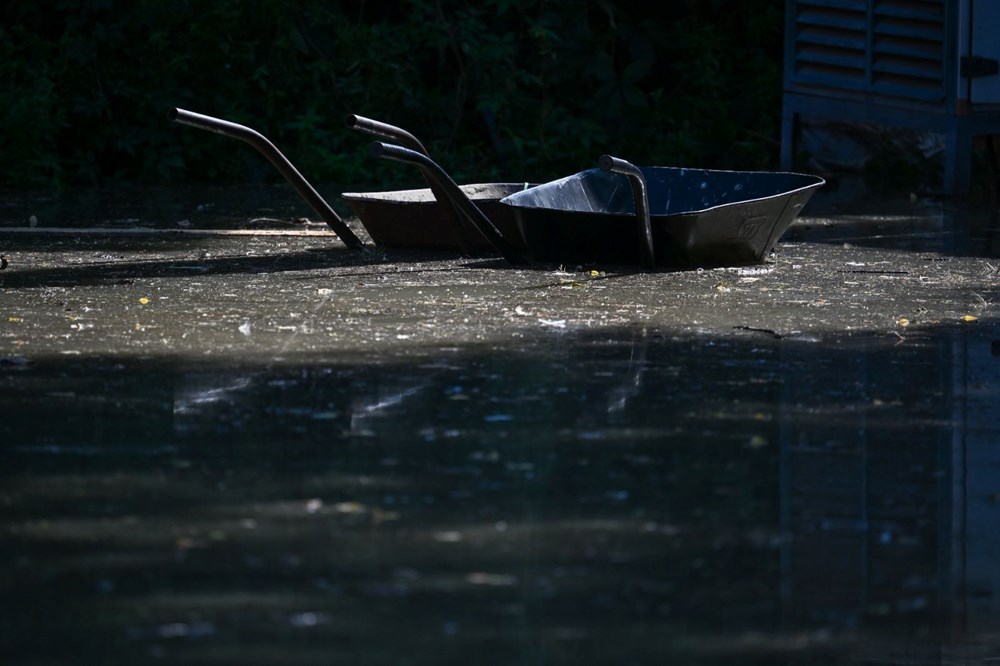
x=497, y=89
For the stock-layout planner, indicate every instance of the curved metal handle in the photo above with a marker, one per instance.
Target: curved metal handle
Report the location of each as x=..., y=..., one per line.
x=278, y=160
x=635, y=177
x=400, y=136
x=458, y=198
x=377, y=128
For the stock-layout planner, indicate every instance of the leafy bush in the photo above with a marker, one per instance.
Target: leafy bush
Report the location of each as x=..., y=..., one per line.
x=496, y=89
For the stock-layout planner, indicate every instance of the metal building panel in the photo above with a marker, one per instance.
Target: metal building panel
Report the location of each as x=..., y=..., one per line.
x=986, y=44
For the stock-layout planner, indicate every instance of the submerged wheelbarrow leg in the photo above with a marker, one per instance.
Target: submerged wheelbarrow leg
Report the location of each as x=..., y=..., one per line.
x=279, y=161
x=454, y=193
x=616, y=165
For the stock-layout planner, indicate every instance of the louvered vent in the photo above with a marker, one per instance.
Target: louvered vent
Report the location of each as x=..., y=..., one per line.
x=893, y=48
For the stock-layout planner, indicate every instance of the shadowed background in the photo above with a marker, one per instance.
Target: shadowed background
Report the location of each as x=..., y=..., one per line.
x=496, y=89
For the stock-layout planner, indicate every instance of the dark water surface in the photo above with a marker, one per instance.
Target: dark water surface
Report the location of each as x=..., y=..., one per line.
x=612, y=497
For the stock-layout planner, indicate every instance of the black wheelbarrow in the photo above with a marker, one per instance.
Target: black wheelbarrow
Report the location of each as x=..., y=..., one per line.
x=422, y=219
x=426, y=218
x=654, y=216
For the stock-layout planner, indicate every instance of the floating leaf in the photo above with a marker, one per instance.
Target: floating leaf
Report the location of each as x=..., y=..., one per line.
x=968, y=318
x=903, y=321
x=144, y=300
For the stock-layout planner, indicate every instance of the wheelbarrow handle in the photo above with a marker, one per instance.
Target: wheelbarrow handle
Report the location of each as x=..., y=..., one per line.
x=638, y=182
x=400, y=136
x=433, y=172
x=278, y=160
x=395, y=134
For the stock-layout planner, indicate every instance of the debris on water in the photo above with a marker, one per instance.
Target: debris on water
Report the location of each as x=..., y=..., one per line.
x=554, y=323
x=245, y=328
x=144, y=301
x=185, y=630
x=314, y=505
x=754, y=270
x=184, y=223
x=448, y=537
x=491, y=579
x=308, y=619
x=903, y=321
x=968, y=318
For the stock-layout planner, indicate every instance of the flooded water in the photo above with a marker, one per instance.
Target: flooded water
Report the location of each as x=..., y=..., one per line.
x=262, y=450
x=624, y=497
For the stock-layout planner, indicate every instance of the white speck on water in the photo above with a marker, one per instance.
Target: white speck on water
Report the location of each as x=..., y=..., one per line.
x=308, y=619
x=182, y=630
x=491, y=579
x=448, y=537
x=245, y=328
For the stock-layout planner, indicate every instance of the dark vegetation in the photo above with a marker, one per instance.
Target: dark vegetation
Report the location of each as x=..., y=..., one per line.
x=496, y=89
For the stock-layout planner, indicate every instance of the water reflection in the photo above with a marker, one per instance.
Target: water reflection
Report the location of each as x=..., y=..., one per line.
x=626, y=497
x=921, y=226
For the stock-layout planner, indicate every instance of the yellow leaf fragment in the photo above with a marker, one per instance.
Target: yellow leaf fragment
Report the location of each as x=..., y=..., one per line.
x=144, y=300
x=903, y=321
x=968, y=318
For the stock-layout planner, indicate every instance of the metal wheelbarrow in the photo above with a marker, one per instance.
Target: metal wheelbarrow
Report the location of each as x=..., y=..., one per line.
x=654, y=217
x=422, y=219
x=426, y=218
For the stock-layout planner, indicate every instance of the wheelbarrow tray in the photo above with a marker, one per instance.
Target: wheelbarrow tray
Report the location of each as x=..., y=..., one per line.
x=414, y=219
x=698, y=217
